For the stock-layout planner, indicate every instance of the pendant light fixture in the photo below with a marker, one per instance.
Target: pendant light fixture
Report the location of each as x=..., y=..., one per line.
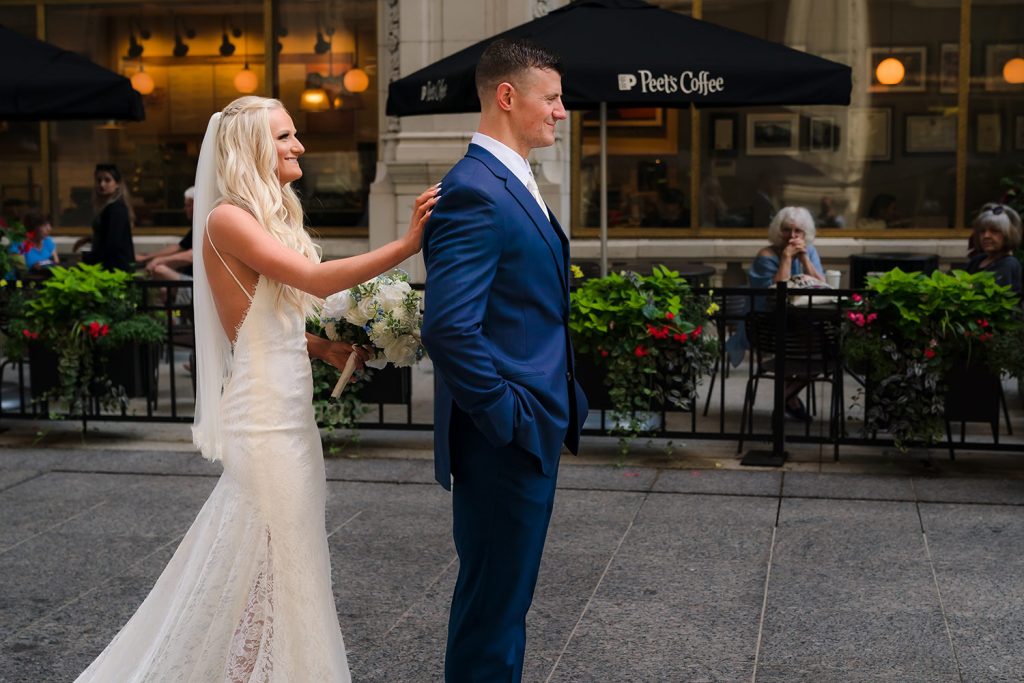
x=245, y=80
x=142, y=81
x=356, y=80
x=890, y=71
x=1013, y=70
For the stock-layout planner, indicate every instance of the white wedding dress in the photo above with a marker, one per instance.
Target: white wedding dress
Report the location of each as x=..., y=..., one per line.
x=247, y=595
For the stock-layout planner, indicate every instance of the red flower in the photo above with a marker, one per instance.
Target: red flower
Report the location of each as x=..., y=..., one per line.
x=872, y=317
x=985, y=337
x=696, y=332
x=104, y=330
x=29, y=334
x=682, y=337
x=604, y=354
x=929, y=354
x=857, y=298
x=670, y=315
x=640, y=351
x=652, y=330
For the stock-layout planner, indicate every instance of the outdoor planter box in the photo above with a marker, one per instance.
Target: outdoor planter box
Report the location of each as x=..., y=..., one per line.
x=972, y=394
x=591, y=377
x=133, y=367
x=389, y=385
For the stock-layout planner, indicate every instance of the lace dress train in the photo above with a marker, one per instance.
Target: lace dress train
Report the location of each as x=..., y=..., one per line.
x=247, y=595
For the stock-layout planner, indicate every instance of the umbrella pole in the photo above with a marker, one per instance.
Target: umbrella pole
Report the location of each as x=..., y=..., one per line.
x=604, y=189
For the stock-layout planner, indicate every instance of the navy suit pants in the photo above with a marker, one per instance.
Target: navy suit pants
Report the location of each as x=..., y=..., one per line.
x=501, y=503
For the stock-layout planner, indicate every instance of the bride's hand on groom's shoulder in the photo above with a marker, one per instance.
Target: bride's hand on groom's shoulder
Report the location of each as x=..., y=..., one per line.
x=422, y=208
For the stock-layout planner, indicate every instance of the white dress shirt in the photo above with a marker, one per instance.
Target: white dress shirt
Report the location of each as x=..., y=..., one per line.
x=512, y=161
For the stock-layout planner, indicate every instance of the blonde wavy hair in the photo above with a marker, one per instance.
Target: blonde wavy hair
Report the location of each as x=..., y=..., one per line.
x=247, y=178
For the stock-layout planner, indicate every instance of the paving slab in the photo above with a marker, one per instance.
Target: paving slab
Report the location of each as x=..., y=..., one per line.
x=851, y=596
x=390, y=470
x=606, y=477
x=847, y=486
x=682, y=598
x=966, y=490
x=726, y=482
x=11, y=478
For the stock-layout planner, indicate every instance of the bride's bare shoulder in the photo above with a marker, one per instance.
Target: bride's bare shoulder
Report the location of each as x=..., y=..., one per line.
x=231, y=222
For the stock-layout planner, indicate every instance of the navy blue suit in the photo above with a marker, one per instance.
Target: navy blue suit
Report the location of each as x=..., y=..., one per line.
x=505, y=399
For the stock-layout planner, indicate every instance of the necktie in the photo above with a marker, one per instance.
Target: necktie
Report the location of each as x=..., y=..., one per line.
x=531, y=185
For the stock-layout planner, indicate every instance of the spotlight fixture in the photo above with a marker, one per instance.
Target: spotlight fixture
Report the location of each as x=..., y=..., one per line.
x=135, y=48
x=227, y=48
x=322, y=46
x=180, y=46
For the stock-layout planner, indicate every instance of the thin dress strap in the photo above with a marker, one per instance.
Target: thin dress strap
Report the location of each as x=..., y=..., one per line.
x=226, y=267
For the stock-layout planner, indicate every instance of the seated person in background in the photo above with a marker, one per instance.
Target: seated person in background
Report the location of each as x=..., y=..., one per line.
x=827, y=216
x=882, y=214
x=790, y=252
x=997, y=230
x=111, y=236
x=174, y=262
x=38, y=248
x=714, y=212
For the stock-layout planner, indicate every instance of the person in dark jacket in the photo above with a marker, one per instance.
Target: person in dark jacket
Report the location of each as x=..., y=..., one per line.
x=997, y=231
x=112, y=228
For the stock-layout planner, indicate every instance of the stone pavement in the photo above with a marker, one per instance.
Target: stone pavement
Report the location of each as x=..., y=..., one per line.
x=682, y=568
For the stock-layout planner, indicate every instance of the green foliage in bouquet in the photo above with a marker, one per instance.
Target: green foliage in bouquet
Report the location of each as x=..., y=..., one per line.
x=648, y=332
x=912, y=329
x=84, y=315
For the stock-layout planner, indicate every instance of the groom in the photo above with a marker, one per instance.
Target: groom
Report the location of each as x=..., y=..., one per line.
x=496, y=327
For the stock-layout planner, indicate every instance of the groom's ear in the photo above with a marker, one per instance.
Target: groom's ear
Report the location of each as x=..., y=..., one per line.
x=504, y=94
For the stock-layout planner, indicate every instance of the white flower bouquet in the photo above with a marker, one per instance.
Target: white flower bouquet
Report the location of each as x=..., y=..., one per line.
x=381, y=315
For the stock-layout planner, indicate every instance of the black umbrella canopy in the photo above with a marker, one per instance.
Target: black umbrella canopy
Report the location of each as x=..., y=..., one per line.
x=39, y=81
x=630, y=53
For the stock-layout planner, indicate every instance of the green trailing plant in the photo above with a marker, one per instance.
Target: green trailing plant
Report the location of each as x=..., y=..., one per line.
x=911, y=330
x=648, y=333
x=84, y=315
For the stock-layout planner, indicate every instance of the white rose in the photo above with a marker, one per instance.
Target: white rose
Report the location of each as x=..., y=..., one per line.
x=379, y=332
x=401, y=352
x=337, y=305
x=392, y=296
x=362, y=312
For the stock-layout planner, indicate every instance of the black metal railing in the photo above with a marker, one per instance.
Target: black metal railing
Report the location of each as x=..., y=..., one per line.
x=779, y=337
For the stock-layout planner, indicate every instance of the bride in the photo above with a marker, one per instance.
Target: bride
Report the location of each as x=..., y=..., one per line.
x=247, y=595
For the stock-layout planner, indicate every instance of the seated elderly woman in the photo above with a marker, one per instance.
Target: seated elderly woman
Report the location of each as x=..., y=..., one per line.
x=997, y=231
x=790, y=252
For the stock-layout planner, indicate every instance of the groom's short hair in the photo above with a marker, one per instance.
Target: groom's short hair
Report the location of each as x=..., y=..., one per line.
x=507, y=58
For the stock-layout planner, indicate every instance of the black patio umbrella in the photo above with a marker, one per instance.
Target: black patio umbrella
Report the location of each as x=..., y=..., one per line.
x=632, y=54
x=41, y=82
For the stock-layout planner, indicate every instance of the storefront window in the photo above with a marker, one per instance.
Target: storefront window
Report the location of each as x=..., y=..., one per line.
x=995, y=134
x=197, y=57
x=886, y=162
x=328, y=81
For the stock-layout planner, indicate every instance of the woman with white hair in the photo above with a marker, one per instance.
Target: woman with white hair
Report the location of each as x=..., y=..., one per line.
x=790, y=252
x=997, y=231
x=247, y=595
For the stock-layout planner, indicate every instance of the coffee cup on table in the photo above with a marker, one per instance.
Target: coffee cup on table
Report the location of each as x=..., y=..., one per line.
x=833, y=278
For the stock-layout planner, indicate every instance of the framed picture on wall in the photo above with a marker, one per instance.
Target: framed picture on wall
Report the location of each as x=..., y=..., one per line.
x=996, y=56
x=949, y=67
x=989, y=132
x=929, y=134
x=773, y=134
x=822, y=134
x=914, y=61
x=869, y=137
x=723, y=134
x=1018, y=132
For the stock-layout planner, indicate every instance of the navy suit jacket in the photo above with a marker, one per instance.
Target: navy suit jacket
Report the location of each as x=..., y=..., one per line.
x=496, y=322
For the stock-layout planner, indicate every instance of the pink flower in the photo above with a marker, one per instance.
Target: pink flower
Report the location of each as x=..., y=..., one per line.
x=929, y=353
x=857, y=298
x=872, y=317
